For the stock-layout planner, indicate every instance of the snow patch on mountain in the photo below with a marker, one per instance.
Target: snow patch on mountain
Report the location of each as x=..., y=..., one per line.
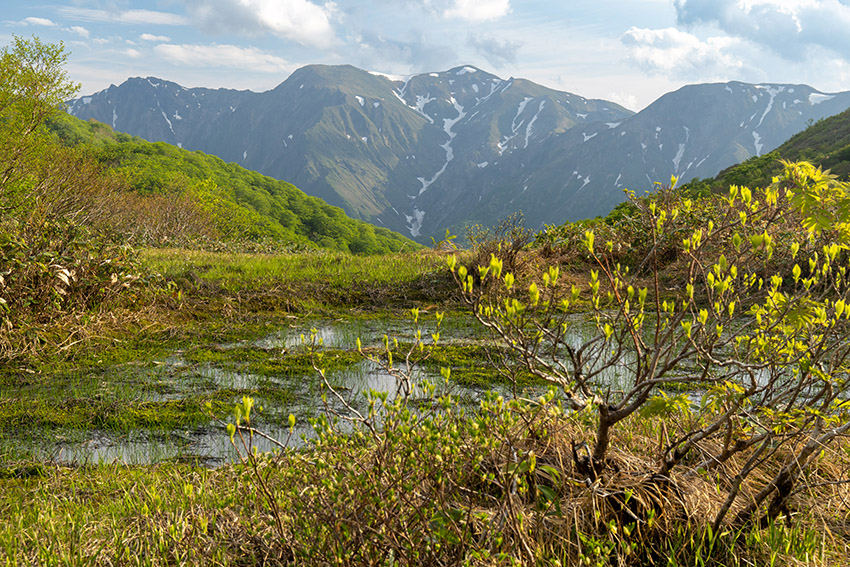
x=678, y=157
x=772, y=92
x=522, y=105
x=419, y=107
x=757, y=143
x=515, y=126
x=414, y=222
x=170, y=126
x=817, y=98
x=360, y=99
x=528, y=129
x=394, y=78
x=448, y=125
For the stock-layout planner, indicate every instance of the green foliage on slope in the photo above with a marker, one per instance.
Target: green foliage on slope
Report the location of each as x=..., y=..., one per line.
x=243, y=204
x=825, y=144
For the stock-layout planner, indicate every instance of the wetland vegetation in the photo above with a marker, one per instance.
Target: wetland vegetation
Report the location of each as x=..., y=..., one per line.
x=667, y=385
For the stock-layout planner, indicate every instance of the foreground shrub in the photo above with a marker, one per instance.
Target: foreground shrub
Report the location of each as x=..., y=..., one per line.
x=494, y=484
x=764, y=355
x=500, y=485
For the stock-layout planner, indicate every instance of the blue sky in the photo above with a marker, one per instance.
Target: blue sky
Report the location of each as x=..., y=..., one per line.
x=628, y=51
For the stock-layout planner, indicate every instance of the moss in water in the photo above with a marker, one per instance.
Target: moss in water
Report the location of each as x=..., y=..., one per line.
x=474, y=365
x=222, y=356
x=296, y=364
x=95, y=413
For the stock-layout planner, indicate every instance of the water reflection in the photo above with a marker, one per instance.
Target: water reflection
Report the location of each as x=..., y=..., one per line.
x=301, y=394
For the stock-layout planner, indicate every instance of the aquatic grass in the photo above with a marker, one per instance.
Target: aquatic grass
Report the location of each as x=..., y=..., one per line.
x=335, y=268
x=98, y=413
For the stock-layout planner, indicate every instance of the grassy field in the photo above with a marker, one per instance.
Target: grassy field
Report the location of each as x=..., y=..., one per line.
x=437, y=494
x=440, y=482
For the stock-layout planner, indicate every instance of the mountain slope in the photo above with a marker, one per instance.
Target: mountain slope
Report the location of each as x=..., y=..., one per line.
x=825, y=143
x=244, y=204
x=362, y=141
x=692, y=132
x=442, y=150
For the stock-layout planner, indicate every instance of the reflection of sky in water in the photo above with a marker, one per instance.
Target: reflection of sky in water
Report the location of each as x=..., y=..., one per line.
x=173, y=377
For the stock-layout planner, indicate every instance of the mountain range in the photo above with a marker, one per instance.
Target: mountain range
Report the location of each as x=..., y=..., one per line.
x=439, y=151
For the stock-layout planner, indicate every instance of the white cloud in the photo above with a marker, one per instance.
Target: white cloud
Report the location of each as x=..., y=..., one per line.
x=497, y=52
x=299, y=20
x=675, y=53
x=478, y=10
x=125, y=17
x=133, y=53
x=151, y=37
x=220, y=55
x=79, y=30
x=404, y=57
x=787, y=27
x=630, y=101
x=39, y=22
x=469, y=10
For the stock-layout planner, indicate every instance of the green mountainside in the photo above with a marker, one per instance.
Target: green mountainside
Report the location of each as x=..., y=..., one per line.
x=825, y=143
x=245, y=205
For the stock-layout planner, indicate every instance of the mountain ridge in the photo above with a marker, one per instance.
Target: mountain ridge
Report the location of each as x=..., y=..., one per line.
x=447, y=149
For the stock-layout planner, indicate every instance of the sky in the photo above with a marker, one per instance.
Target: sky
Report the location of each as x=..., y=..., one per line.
x=627, y=51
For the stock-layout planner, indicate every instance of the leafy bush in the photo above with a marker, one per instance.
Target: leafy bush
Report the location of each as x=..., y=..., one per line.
x=54, y=258
x=419, y=478
x=766, y=353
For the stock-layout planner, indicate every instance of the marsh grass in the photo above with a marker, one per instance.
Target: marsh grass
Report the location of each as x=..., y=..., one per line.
x=492, y=486
x=444, y=484
x=301, y=282
x=159, y=382
x=336, y=268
